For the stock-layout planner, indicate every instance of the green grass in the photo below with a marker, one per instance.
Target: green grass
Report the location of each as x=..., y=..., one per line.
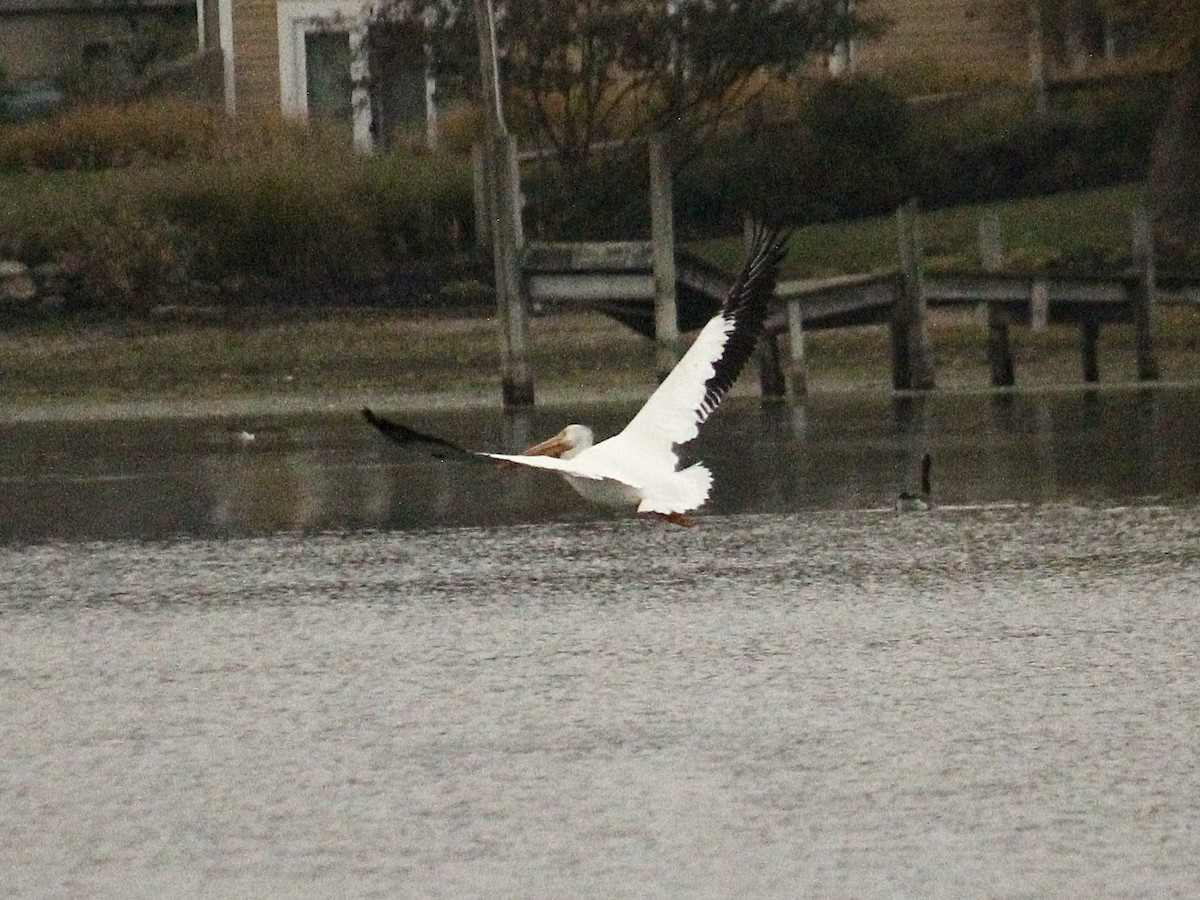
x=314, y=354
x=1038, y=232
x=356, y=354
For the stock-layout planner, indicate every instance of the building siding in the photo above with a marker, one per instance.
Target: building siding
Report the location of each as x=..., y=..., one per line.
x=958, y=39
x=256, y=54
x=47, y=40
x=988, y=37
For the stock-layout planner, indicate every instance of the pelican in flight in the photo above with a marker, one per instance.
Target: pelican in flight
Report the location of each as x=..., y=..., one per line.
x=639, y=467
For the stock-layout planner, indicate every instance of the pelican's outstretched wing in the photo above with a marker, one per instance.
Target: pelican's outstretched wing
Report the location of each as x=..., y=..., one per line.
x=410, y=437
x=687, y=397
x=440, y=448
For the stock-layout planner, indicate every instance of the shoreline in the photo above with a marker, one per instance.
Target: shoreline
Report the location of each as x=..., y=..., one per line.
x=338, y=364
x=348, y=403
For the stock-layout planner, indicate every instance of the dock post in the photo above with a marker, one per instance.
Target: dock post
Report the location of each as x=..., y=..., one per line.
x=479, y=184
x=662, y=239
x=797, y=368
x=1089, y=335
x=1039, y=305
x=1145, y=295
x=901, y=364
x=773, y=381
x=910, y=332
x=507, y=245
x=999, y=348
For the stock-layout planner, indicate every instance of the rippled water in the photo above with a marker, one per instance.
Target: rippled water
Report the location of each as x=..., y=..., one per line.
x=254, y=476
x=215, y=687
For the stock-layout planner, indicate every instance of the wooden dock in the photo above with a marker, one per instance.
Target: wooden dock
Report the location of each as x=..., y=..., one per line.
x=617, y=279
x=1036, y=300
x=661, y=291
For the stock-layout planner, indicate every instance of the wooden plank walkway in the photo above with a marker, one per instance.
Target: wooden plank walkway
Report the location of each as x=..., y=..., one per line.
x=616, y=279
x=660, y=291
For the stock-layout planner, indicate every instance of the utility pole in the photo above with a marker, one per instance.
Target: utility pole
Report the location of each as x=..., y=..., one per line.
x=1037, y=57
x=503, y=192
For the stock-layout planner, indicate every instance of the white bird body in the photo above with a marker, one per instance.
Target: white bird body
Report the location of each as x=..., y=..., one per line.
x=639, y=466
x=619, y=472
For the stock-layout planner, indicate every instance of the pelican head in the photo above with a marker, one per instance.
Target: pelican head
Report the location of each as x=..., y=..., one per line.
x=569, y=442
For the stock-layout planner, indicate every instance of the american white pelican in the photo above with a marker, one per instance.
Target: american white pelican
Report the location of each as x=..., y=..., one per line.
x=908, y=502
x=639, y=467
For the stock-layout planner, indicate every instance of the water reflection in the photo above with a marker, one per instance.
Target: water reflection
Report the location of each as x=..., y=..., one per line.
x=156, y=479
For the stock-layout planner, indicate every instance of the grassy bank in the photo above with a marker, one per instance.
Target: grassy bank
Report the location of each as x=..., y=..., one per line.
x=347, y=356
x=313, y=354
x=1080, y=229
x=345, y=359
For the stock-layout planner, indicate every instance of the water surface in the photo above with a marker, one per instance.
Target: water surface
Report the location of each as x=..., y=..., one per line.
x=259, y=475
x=309, y=666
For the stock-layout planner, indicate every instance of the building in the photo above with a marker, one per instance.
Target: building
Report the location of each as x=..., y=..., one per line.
x=308, y=58
x=71, y=41
x=989, y=40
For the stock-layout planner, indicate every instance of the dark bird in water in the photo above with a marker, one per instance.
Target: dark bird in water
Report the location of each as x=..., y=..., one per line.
x=639, y=466
x=909, y=502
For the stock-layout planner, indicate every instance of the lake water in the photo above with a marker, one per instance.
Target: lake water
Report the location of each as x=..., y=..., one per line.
x=309, y=665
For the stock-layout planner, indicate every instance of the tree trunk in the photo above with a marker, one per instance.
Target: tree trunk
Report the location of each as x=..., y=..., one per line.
x=1174, y=184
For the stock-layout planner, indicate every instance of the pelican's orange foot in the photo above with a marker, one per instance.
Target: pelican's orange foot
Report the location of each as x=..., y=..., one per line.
x=676, y=518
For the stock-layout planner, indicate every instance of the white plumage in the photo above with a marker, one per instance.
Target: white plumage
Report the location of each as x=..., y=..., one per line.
x=639, y=466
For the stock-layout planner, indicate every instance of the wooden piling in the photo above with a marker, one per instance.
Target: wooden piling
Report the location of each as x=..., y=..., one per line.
x=1089, y=337
x=912, y=363
x=773, y=379
x=479, y=183
x=797, y=367
x=1039, y=305
x=507, y=245
x=999, y=347
x=662, y=238
x=1144, y=299
x=772, y=382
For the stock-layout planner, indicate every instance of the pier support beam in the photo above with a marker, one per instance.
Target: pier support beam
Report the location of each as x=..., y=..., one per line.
x=662, y=239
x=1089, y=336
x=501, y=183
x=507, y=244
x=797, y=366
x=999, y=347
x=772, y=382
x=1144, y=298
x=775, y=378
x=912, y=362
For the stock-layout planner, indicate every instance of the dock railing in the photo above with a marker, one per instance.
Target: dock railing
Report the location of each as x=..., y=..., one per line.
x=1006, y=298
x=660, y=291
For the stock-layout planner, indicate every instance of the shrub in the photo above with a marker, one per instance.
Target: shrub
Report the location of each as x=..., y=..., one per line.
x=999, y=148
x=99, y=137
x=259, y=222
x=115, y=255
x=851, y=153
x=104, y=137
x=284, y=227
x=611, y=201
x=120, y=259
x=297, y=226
x=417, y=205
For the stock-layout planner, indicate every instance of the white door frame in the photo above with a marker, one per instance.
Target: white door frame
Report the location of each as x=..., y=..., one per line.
x=297, y=18
x=225, y=39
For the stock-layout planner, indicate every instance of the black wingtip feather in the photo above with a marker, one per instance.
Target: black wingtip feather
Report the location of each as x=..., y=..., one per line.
x=747, y=306
x=410, y=437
